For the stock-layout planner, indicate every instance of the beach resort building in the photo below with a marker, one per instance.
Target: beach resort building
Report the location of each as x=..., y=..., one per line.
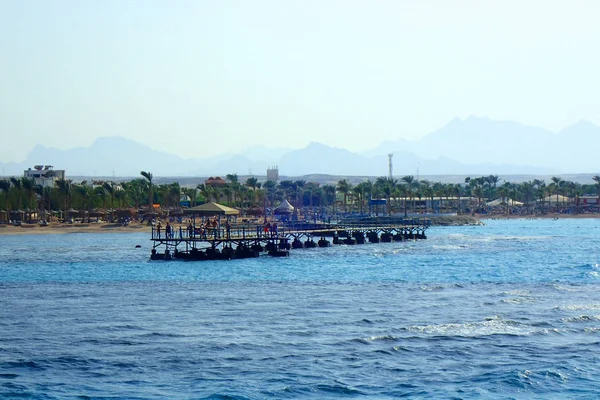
x=44, y=175
x=273, y=174
x=215, y=181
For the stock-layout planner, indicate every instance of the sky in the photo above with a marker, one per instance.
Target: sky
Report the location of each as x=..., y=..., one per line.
x=201, y=78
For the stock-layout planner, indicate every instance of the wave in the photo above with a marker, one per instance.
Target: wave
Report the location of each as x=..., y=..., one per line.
x=369, y=340
x=21, y=364
x=582, y=318
x=450, y=246
x=578, y=307
x=563, y=288
x=435, y=288
x=488, y=327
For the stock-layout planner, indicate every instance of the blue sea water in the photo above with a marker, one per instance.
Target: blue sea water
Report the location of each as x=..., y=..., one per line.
x=506, y=310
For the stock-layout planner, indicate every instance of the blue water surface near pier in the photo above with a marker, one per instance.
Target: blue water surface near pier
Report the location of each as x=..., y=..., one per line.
x=506, y=310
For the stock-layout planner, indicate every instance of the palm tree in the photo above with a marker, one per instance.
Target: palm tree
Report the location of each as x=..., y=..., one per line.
x=148, y=176
x=100, y=193
x=270, y=188
x=232, y=178
x=206, y=191
x=5, y=187
x=557, y=183
x=228, y=193
x=109, y=188
x=410, y=181
x=192, y=193
x=360, y=191
x=386, y=187
x=175, y=193
x=134, y=190
x=344, y=187
x=299, y=192
x=120, y=196
x=493, y=181
x=596, y=179
x=330, y=192
x=28, y=185
x=18, y=188
x=65, y=188
x=457, y=190
x=45, y=193
x=252, y=183
x=232, y=189
x=87, y=194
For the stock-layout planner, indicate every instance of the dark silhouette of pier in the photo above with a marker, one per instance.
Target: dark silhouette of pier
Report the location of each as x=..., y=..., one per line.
x=246, y=240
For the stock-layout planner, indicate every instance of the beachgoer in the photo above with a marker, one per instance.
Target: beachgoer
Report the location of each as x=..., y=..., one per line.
x=168, y=231
x=228, y=229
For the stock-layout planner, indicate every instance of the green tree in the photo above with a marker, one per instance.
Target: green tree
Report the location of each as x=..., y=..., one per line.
x=65, y=188
x=149, y=177
x=344, y=187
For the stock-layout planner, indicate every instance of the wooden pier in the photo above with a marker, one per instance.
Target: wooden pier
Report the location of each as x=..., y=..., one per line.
x=191, y=243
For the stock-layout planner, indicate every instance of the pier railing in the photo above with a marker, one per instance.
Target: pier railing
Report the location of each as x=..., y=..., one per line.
x=256, y=231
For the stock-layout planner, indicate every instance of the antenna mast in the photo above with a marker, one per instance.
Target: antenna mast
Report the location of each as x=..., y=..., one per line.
x=391, y=167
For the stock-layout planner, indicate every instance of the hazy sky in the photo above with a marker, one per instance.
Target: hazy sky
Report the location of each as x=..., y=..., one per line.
x=206, y=77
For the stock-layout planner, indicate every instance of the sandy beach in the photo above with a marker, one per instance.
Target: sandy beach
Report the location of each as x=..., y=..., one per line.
x=59, y=228
x=103, y=227
x=537, y=216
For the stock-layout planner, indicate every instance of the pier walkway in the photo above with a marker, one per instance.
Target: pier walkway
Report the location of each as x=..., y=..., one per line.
x=247, y=240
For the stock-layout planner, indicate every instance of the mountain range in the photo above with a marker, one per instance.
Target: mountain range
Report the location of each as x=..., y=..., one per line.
x=475, y=146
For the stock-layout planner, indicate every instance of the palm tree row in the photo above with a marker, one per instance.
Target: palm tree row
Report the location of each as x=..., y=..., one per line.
x=406, y=194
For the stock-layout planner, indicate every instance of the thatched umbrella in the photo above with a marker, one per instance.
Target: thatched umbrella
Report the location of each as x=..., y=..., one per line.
x=97, y=213
x=255, y=211
x=18, y=214
x=126, y=213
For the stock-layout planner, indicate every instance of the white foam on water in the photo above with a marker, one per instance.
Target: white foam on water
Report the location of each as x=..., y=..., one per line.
x=490, y=326
x=578, y=307
x=582, y=318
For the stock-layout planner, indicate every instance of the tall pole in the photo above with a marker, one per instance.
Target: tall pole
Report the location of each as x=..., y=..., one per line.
x=390, y=156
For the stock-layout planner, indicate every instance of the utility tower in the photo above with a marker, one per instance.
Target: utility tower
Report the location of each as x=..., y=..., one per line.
x=390, y=156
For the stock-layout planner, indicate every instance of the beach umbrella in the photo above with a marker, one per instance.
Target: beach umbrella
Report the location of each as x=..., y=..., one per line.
x=255, y=211
x=126, y=213
x=211, y=209
x=72, y=211
x=284, y=208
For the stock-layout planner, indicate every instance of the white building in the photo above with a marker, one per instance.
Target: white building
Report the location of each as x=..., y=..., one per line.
x=44, y=175
x=273, y=174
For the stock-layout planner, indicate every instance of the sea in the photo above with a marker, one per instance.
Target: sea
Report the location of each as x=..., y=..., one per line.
x=508, y=310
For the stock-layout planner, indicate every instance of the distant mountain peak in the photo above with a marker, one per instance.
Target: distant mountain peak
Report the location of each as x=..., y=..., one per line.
x=582, y=124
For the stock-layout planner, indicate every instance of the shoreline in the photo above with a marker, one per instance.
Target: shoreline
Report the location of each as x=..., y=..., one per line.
x=61, y=229
x=538, y=216
x=134, y=227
